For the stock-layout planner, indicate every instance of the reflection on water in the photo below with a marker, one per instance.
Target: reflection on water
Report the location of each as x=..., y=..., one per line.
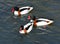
x=9, y=26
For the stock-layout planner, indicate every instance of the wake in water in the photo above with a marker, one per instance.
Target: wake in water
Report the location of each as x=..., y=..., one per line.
x=43, y=29
x=40, y=28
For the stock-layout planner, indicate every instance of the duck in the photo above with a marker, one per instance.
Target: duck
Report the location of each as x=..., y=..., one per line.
x=26, y=28
x=21, y=11
x=40, y=21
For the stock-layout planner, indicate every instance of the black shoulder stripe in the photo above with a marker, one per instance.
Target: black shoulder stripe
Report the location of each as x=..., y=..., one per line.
x=28, y=27
x=38, y=20
x=23, y=9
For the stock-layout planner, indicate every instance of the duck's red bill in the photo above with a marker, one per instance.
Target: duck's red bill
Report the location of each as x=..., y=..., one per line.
x=12, y=9
x=29, y=17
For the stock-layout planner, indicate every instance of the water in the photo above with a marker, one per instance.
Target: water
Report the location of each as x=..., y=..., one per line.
x=9, y=26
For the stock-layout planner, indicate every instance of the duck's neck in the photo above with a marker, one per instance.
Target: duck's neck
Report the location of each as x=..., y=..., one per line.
x=19, y=14
x=35, y=23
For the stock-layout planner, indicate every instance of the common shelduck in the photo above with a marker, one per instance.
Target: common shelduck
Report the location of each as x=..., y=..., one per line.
x=21, y=11
x=26, y=28
x=40, y=21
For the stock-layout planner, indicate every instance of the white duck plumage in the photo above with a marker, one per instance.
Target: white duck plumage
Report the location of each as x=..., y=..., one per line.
x=23, y=10
x=42, y=22
x=25, y=26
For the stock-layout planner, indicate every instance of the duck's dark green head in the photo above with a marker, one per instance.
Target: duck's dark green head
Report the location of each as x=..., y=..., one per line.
x=16, y=8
